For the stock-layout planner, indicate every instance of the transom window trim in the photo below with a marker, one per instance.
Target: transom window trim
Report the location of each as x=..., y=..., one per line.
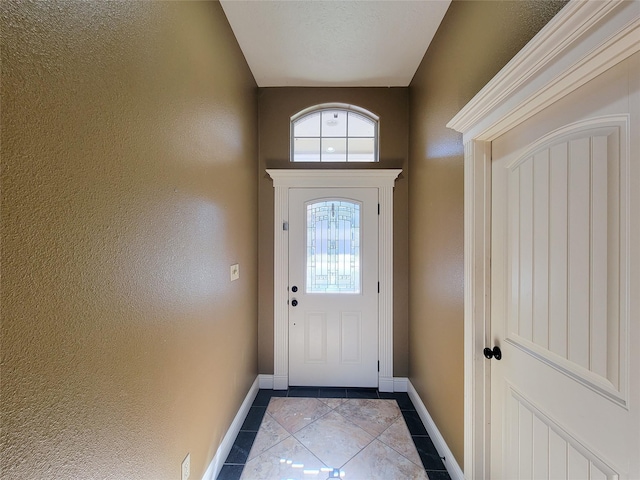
x=334, y=132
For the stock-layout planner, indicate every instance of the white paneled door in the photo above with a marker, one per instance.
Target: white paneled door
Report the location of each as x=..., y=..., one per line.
x=565, y=264
x=333, y=286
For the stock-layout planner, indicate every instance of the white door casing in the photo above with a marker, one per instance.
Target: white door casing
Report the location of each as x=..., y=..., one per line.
x=283, y=181
x=333, y=335
x=582, y=41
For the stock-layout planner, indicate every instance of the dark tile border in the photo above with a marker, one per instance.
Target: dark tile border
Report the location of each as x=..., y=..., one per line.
x=254, y=419
x=438, y=475
x=332, y=392
x=414, y=423
x=230, y=472
x=306, y=392
x=241, y=448
x=428, y=453
x=364, y=393
x=233, y=466
x=264, y=396
x=403, y=400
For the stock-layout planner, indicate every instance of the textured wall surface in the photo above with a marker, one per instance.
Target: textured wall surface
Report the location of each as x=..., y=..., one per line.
x=129, y=186
x=475, y=40
x=276, y=106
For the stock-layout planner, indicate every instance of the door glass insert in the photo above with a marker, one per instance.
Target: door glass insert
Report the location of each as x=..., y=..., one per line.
x=333, y=247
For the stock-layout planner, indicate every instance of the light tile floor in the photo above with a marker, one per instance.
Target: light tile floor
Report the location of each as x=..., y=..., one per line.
x=298, y=438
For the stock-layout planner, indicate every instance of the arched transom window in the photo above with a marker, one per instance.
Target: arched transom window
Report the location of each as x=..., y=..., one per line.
x=334, y=133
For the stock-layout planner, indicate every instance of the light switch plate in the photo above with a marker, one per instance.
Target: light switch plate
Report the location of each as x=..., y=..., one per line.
x=234, y=272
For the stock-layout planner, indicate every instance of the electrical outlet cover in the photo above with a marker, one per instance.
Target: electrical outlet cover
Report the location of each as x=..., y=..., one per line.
x=186, y=467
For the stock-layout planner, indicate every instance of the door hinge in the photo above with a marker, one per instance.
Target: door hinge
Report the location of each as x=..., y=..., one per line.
x=378, y=365
x=378, y=209
x=285, y=226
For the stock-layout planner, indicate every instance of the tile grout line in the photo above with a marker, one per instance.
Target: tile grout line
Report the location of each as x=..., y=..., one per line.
x=275, y=444
x=394, y=449
x=374, y=438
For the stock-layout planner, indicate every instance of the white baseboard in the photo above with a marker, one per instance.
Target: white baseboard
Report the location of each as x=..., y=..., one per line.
x=265, y=381
x=227, y=442
x=385, y=384
x=400, y=384
x=280, y=382
x=455, y=472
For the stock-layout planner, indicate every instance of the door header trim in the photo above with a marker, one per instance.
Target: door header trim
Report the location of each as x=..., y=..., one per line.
x=334, y=178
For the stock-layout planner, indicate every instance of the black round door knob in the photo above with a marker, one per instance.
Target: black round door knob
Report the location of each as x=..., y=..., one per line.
x=495, y=353
x=294, y=302
x=294, y=289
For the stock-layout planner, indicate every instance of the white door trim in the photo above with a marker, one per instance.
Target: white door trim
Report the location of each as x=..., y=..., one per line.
x=583, y=40
x=283, y=180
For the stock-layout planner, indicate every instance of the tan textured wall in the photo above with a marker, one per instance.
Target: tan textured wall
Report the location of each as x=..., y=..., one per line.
x=129, y=145
x=475, y=40
x=276, y=106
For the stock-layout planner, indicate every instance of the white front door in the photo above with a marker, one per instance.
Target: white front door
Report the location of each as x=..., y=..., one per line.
x=333, y=287
x=565, y=284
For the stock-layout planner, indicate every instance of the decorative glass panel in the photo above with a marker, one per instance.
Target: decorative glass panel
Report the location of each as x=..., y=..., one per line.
x=333, y=247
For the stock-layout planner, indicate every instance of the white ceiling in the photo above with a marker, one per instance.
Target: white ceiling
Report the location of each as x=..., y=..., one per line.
x=334, y=42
